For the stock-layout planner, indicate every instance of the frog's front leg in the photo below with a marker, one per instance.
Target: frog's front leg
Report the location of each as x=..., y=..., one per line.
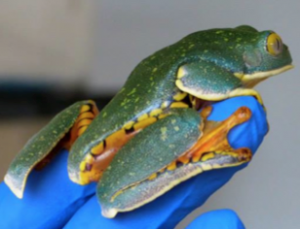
x=166, y=153
x=61, y=132
x=208, y=81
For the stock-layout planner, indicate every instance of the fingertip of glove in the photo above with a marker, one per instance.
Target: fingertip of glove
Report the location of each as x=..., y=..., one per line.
x=221, y=110
x=219, y=219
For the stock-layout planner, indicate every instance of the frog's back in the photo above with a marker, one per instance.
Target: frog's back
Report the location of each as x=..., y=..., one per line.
x=150, y=84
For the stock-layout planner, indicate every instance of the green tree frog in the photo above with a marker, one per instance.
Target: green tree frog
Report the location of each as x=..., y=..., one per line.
x=151, y=136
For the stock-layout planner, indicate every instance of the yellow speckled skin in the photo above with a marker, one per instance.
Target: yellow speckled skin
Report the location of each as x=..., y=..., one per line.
x=39, y=146
x=211, y=59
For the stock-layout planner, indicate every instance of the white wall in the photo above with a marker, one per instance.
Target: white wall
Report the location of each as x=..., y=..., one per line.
x=45, y=41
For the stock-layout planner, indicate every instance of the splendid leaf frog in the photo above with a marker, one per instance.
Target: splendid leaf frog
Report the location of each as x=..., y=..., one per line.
x=151, y=136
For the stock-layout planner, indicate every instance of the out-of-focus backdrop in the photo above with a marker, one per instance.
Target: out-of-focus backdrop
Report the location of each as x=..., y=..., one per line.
x=56, y=52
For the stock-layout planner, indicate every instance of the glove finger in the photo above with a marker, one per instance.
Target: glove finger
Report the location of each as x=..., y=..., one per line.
x=49, y=201
x=172, y=207
x=218, y=219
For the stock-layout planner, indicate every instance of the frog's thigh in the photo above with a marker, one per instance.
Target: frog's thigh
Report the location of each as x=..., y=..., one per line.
x=208, y=81
x=61, y=132
x=152, y=162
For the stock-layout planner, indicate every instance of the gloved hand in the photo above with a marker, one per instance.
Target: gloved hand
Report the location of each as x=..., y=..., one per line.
x=51, y=200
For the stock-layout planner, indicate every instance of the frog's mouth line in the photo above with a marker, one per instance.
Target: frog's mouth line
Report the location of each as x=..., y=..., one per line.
x=259, y=76
x=199, y=98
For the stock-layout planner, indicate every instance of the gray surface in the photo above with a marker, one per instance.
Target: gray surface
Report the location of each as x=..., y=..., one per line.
x=266, y=194
x=46, y=41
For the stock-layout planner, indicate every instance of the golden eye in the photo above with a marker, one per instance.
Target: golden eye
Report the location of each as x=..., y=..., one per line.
x=274, y=44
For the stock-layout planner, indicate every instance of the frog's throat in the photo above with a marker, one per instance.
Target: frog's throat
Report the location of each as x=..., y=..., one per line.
x=250, y=80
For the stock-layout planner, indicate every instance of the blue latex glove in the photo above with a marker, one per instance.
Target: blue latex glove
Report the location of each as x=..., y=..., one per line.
x=51, y=200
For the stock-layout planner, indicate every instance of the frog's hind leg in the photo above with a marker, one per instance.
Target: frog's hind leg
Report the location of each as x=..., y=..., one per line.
x=60, y=133
x=166, y=153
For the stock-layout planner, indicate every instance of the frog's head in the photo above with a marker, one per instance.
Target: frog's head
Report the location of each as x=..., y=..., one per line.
x=263, y=54
x=251, y=55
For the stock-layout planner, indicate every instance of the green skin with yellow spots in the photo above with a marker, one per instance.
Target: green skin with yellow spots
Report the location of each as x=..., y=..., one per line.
x=175, y=133
x=220, y=52
x=210, y=65
x=40, y=145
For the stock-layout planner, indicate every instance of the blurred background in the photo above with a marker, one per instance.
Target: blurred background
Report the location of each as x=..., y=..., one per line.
x=56, y=52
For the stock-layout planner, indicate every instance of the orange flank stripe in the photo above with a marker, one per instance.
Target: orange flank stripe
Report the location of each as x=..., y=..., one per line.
x=84, y=122
x=179, y=105
x=172, y=166
x=183, y=160
x=153, y=176
x=82, y=130
x=84, y=108
x=144, y=123
x=97, y=149
x=85, y=115
x=104, y=153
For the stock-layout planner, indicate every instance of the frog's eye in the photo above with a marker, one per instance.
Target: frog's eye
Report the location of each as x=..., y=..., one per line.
x=274, y=44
